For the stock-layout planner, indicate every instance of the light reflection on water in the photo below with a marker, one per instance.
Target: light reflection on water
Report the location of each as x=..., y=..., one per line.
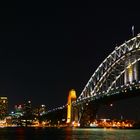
x=105, y=134
x=68, y=134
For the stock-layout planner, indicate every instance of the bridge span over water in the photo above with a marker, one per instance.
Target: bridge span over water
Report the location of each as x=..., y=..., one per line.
x=118, y=76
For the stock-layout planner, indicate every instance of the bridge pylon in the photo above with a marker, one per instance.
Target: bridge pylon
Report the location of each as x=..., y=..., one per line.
x=71, y=98
x=117, y=75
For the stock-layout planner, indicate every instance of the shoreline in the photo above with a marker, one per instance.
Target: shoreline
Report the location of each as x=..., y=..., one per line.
x=65, y=127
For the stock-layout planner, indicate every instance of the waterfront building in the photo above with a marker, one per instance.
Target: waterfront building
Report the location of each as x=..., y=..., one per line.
x=3, y=107
x=39, y=110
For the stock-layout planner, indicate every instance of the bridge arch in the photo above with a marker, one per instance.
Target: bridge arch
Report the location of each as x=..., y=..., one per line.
x=121, y=62
x=118, y=73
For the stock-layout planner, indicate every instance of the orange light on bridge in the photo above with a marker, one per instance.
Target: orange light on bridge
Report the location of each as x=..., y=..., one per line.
x=71, y=97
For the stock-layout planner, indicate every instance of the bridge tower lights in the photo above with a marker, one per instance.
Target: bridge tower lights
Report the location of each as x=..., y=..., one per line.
x=71, y=98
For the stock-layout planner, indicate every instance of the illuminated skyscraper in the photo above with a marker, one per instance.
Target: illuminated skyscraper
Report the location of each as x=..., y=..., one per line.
x=3, y=107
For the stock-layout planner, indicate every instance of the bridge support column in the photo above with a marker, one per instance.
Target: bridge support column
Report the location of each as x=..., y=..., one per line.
x=71, y=97
x=75, y=114
x=83, y=113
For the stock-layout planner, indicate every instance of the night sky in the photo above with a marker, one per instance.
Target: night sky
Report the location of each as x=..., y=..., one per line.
x=48, y=48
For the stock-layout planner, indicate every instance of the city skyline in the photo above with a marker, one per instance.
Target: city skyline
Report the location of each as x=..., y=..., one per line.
x=46, y=52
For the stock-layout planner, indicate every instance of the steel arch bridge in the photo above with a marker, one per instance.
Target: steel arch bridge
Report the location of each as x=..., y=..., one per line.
x=118, y=73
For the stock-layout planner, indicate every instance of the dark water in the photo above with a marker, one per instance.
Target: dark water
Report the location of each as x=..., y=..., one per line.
x=67, y=134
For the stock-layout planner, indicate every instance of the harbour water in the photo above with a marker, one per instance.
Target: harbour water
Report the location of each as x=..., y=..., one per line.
x=21, y=133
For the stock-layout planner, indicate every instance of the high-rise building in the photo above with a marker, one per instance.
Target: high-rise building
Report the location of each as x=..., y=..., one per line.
x=39, y=110
x=42, y=110
x=27, y=108
x=3, y=107
x=19, y=110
